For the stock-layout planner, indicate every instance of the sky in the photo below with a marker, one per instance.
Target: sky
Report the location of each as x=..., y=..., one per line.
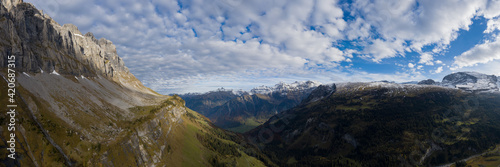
x=180, y=46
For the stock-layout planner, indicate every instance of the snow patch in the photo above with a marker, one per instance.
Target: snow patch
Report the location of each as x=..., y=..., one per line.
x=54, y=72
x=498, y=82
x=26, y=74
x=238, y=92
x=283, y=88
x=78, y=35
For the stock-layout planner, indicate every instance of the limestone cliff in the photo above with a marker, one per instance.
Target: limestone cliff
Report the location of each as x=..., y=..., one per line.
x=41, y=44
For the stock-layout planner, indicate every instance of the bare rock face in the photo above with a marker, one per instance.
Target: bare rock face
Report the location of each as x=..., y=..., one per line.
x=321, y=92
x=41, y=44
x=9, y=4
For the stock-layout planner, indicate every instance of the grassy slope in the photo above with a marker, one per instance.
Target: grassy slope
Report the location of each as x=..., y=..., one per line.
x=246, y=112
x=31, y=144
x=489, y=159
x=195, y=153
x=183, y=149
x=247, y=125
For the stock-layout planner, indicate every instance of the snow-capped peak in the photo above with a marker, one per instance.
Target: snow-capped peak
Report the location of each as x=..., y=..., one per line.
x=283, y=87
x=239, y=92
x=471, y=81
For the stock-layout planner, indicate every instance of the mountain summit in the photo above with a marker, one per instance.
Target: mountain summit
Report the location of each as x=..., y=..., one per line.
x=471, y=81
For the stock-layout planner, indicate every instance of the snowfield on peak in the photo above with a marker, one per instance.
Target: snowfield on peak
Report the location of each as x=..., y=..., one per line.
x=78, y=35
x=498, y=82
x=284, y=87
x=471, y=81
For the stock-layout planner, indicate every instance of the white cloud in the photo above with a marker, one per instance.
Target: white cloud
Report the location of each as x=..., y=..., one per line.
x=426, y=59
x=492, y=25
x=479, y=54
x=438, y=70
x=491, y=10
x=419, y=23
x=411, y=65
x=490, y=68
x=381, y=49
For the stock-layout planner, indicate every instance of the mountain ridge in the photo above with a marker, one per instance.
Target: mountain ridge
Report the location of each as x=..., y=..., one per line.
x=252, y=108
x=244, y=110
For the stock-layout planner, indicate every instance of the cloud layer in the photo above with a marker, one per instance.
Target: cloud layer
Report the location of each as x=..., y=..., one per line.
x=193, y=45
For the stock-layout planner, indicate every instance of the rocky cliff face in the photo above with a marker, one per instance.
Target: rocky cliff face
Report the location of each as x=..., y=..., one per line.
x=320, y=92
x=42, y=45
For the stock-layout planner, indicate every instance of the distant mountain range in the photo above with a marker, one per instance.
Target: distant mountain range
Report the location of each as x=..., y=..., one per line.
x=240, y=110
x=469, y=81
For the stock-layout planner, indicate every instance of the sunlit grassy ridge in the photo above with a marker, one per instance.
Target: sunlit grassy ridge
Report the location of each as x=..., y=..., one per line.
x=164, y=134
x=489, y=159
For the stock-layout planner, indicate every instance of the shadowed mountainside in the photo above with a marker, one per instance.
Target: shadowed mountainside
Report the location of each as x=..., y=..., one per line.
x=382, y=124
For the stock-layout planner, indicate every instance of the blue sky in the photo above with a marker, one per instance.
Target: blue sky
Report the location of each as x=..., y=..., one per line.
x=179, y=46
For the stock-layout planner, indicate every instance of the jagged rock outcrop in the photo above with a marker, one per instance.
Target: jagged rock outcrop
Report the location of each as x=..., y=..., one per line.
x=9, y=4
